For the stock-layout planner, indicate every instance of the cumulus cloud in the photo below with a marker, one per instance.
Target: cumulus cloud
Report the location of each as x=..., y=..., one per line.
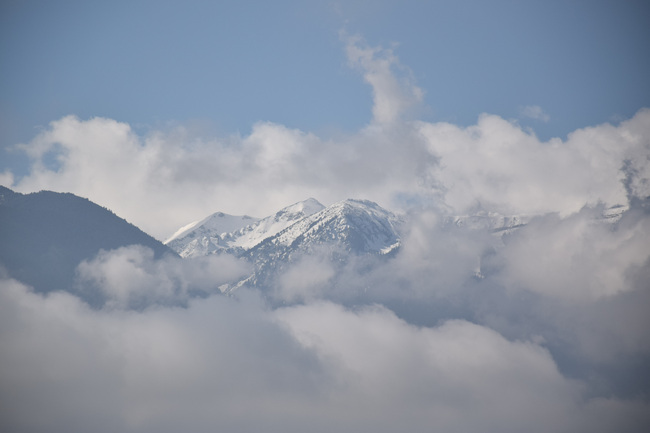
x=494, y=165
x=498, y=166
x=184, y=178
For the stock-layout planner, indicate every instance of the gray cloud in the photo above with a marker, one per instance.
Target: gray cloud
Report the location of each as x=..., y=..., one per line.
x=577, y=258
x=575, y=285
x=233, y=365
x=376, y=344
x=130, y=277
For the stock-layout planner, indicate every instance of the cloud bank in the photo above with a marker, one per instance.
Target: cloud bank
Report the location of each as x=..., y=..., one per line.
x=542, y=329
x=130, y=277
x=233, y=365
x=396, y=161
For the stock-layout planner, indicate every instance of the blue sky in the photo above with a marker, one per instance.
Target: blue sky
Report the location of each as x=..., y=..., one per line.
x=222, y=66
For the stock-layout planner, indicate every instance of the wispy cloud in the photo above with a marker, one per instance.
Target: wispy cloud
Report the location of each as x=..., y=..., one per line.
x=394, y=91
x=534, y=112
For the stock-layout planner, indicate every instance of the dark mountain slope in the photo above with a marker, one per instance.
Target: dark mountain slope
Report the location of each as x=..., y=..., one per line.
x=45, y=235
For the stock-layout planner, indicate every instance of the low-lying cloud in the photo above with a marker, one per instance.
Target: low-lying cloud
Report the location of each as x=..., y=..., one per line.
x=130, y=277
x=234, y=365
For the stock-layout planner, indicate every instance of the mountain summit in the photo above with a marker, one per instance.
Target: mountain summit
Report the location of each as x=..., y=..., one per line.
x=347, y=228
x=220, y=232
x=357, y=226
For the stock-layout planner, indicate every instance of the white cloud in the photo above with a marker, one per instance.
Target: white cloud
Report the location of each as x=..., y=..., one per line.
x=226, y=364
x=577, y=258
x=165, y=180
x=497, y=166
x=576, y=284
x=306, y=279
x=129, y=277
x=6, y=178
x=65, y=367
x=534, y=112
x=394, y=93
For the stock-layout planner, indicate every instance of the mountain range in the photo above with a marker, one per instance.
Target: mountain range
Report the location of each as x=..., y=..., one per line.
x=344, y=229
x=45, y=235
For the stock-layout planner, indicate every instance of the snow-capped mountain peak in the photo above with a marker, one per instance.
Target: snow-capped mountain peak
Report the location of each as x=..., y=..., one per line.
x=274, y=224
x=205, y=236
x=340, y=231
x=361, y=226
x=221, y=232
x=216, y=223
x=350, y=227
x=304, y=208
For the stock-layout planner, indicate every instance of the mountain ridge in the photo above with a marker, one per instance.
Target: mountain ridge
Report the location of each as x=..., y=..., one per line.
x=201, y=238
x=348, y=228
x=45, y=235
